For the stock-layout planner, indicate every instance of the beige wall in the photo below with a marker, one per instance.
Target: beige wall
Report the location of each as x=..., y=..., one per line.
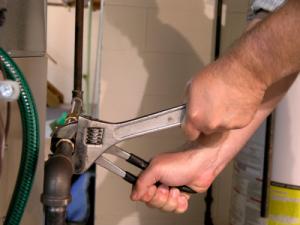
x=234, y=21
x=150, y=50
x=60, y=47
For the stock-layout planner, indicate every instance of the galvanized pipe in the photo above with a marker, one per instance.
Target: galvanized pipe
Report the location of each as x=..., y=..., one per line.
x=78, y=55
x=57, y=183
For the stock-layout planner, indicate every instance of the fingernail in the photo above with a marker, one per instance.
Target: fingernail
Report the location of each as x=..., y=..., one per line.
x=174, y=192
x=163, y=189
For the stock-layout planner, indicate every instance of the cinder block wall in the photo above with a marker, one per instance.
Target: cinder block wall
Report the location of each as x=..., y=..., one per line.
x=150, y=50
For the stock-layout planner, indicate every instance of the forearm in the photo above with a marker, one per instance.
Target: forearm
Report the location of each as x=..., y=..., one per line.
x=271, y=50
x=226, y=94
x=236, y=139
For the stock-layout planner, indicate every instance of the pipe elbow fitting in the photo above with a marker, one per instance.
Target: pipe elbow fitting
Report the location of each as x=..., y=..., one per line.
x=57, y=177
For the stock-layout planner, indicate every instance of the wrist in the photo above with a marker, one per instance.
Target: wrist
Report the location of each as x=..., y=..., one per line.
x=211, y=145
x=237, y=74
x=253, y=55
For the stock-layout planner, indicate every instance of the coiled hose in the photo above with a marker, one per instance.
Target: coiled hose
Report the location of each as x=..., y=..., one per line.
x=31, y=142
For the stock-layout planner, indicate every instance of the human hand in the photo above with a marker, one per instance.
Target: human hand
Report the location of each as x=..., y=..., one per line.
x=198, y=167
x=223, y=96
x=195, y=168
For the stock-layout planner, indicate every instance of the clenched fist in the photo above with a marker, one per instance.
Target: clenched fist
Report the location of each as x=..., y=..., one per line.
x=223, y=96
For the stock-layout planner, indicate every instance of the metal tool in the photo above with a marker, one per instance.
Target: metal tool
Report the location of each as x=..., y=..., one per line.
x=92, y=138
x=132, y=159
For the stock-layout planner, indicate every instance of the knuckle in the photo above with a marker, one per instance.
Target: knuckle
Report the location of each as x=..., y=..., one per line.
x=211, y=127
x=162, y=199
x=207, y=181
x=194, y=116
x=147, y=197
x=139, y=184
x=157, y=202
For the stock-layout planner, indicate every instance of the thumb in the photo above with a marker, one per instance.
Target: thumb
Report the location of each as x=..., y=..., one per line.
x=191, y=132
x=147, y=179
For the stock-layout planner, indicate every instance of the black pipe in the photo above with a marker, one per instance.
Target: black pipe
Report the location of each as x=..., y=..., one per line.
x=218, y=29
x=266, y=167
x=59, y=167
x=57, y=183
x=78, y=55
x=55, y=215
x=208, y=201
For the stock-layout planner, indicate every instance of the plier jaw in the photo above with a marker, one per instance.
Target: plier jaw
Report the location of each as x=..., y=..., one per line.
x=92, y=139
x=67, y=131
x=90, y=136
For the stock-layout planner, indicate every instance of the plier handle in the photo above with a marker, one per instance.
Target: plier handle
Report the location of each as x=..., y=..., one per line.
x=132, y=159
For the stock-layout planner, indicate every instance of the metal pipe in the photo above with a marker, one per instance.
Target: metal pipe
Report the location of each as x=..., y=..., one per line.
x=266, y=168
x=88, y=57
x=78, y=55
x=218, y=29
x=55, y=215
x=59, y=167
x=76, y=109
x=97, y=74
x=57, y=183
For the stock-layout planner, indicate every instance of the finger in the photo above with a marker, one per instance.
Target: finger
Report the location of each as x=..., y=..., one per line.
x=160, y=197
x=149, y=194
x=171, y=203
x=146, y=179
x=187, y=90
x=199, y=187
x=182, y=205
x=190, y=131
x=186, y=195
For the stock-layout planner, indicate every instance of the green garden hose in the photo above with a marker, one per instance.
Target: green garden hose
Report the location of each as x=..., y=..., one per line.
x=31, y=142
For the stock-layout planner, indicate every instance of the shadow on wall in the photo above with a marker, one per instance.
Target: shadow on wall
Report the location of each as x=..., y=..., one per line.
x=170, y=60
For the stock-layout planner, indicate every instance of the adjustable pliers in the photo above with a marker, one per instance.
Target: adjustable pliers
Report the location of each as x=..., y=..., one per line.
x=92, y=138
